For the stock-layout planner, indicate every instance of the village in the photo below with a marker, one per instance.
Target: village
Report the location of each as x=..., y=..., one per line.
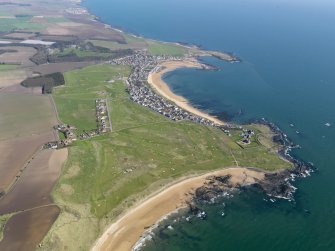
x=102, y=116
x=246, y=136
x=104, y=125
x=141, y=93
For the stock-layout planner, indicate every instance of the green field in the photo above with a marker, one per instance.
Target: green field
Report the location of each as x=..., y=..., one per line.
x=109, y=173
x=7, y=67
x=132, y=43
x=116, y=46
x=76, y=101
x=57, y=19
x=154, y=47
x=82, y=53
x=20, y=23
x=159, y=48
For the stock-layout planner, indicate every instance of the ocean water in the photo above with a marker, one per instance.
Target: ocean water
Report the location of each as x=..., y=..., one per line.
x=287, y=76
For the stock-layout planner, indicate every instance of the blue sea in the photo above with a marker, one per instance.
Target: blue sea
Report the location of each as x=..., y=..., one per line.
x=287, y=75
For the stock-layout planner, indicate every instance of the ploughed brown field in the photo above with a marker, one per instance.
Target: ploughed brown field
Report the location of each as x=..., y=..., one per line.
x=17, y=88
x=15, y=154
x=13, y=77
x=36, y=224
x=23, y=115
x=17, y=55
x=33, y=188
x=27, y=174
x=59, y=67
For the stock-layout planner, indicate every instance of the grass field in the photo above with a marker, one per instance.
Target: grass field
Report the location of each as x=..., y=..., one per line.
x=153, y=47
x=82, y=53
x=116, y=46
x=158, y=48
x=107, y=174
x=57, y=20
x=132, y=43
x=19, y=23
x=76, y=101
x=7, y=67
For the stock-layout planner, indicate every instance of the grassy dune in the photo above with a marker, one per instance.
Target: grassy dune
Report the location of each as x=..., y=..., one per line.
x=107, y=174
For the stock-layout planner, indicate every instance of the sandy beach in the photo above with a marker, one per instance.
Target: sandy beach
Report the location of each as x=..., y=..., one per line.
x=156, y=81
x=127, y=230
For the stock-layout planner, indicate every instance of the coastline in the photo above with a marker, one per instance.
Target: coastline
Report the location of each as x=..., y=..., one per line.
x=168, y=193
x=124, y=233
x=128, y=230
x=156, y=81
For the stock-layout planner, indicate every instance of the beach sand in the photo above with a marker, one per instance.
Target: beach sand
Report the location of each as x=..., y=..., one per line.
x=127, y=230
x=156, y=81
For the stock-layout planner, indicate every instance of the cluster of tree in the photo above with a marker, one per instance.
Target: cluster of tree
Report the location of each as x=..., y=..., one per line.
x=47, y=82
x=40, y=57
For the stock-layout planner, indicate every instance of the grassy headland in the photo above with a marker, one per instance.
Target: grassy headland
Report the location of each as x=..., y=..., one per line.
x=107, y=174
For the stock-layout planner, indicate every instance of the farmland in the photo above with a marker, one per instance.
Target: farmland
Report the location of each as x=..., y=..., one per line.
x=23, y=22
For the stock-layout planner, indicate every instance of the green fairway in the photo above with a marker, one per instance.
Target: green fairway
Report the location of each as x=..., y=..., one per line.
x=159, y=48
x=76, y=101
x=107, y=174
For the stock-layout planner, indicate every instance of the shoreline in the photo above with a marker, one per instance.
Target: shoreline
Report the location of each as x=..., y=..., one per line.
x=120, y=234
x=125, y=232
x=155, y=80
x=189, y=183
x=129, y=229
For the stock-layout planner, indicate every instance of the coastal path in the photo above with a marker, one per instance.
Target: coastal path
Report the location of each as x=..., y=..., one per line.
x=109, y=115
